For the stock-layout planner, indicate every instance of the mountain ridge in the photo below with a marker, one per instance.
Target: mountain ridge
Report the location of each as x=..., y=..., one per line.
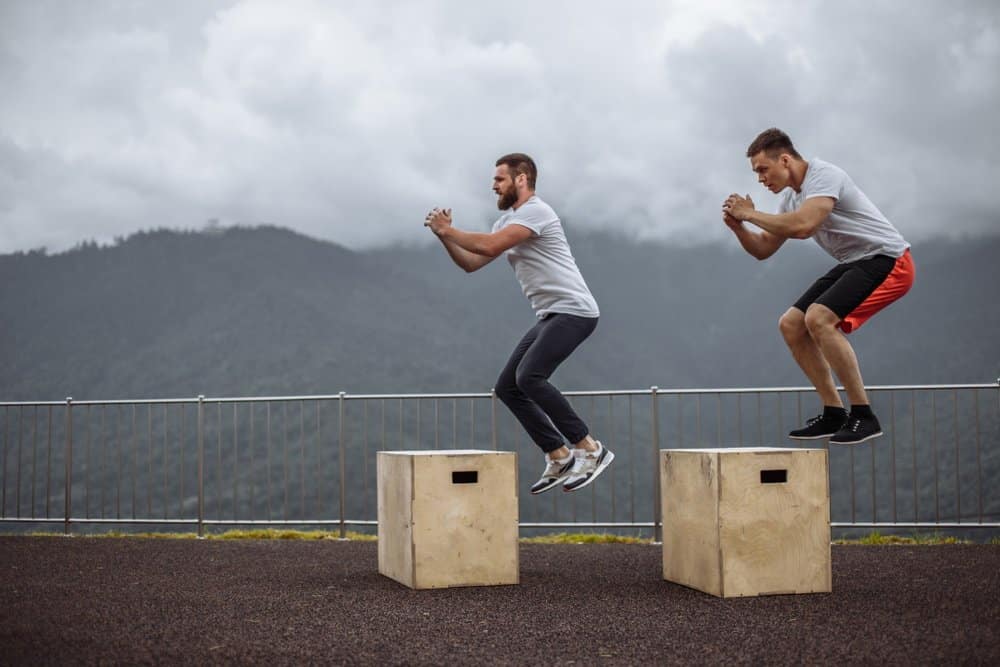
x=265, y=310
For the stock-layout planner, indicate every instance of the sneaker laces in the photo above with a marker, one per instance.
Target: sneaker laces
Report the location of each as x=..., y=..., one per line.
x=853, y=424
x=814, y=420
x=553, y=467
x=585, y=464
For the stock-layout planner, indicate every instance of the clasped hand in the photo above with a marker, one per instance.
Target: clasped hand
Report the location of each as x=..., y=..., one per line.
x=738, y=208
x=438, y=219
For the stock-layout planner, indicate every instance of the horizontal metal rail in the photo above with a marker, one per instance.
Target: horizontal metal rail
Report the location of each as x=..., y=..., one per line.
x=429, y=396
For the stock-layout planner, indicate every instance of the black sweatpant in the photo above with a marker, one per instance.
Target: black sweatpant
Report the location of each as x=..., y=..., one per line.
x=524, y=385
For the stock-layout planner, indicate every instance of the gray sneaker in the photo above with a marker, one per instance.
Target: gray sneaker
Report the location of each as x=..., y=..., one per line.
x=588, y=466
x=554, y=475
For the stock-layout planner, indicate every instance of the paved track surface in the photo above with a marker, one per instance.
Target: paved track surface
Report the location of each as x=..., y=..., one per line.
x=129, y=601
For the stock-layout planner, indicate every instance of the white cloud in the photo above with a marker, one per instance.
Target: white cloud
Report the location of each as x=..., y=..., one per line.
x=348, y=120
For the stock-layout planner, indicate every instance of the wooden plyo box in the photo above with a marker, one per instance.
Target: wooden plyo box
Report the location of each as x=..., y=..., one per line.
x=448, y=517
x=746, y=521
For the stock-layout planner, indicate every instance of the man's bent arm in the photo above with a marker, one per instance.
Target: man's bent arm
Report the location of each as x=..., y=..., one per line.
x=486, y=245
x=474, y=250
x=800, y=224
x=760, y=245
x=468, y=261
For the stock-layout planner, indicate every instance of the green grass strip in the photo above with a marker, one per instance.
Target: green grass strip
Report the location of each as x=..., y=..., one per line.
x=927, y=539
x=585, y=538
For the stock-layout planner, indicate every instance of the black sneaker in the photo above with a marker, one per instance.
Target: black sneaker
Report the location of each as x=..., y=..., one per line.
x=555, y=473
x=857, y=429
x=820, y=426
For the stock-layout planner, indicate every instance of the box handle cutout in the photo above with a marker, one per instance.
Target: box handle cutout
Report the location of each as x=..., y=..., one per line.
x=465, y=477
x=773, y=476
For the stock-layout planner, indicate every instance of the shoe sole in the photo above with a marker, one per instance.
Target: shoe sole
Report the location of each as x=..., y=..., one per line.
x=811, y=437
x=556, y=482
x=597, y=471
x=856, y=442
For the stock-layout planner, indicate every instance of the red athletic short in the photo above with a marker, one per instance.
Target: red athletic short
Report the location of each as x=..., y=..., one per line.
x=857, y=290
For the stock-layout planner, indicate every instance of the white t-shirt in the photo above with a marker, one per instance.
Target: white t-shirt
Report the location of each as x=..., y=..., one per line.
x=544, y=264
x=855, y=228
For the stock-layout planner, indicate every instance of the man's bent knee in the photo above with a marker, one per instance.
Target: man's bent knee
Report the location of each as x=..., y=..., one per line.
x=530, y=383
x=506, y=390
x=819, y=318
x=792, y=325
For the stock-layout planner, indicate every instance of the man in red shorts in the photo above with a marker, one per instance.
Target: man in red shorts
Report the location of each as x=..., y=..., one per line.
x=820, y=201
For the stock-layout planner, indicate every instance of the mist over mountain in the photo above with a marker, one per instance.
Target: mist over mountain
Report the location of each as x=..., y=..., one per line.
x=266, y=311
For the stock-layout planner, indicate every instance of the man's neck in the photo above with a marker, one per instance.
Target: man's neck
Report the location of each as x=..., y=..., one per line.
x=523, y=197
x=798, y=169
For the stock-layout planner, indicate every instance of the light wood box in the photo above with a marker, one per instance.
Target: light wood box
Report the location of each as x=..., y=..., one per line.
x=448, y=517
x=746, y=521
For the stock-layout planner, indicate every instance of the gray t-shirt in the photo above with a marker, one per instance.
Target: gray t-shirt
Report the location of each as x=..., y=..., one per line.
x=855, y=228
x=544, y=264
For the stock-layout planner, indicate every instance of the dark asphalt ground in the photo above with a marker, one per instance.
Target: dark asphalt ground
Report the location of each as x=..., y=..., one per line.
x=140, y=601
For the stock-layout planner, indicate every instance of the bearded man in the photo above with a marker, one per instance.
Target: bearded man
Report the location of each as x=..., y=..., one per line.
x=531, y=235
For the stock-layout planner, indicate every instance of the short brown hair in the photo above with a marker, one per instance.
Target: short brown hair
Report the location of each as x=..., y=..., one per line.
x=519, y=163
x=773, y=142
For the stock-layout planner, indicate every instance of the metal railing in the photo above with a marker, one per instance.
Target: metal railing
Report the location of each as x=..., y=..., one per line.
x=310, y=460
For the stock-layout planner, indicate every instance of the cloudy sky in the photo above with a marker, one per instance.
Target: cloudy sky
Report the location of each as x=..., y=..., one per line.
x=349, y=120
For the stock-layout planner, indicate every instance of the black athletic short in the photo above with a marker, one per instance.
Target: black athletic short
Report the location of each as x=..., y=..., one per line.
x=846, y=286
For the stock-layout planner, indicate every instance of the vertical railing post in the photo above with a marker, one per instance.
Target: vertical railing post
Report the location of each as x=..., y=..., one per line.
x=201, y=465
x=657, y=513
x=343, y=468
x=493, y=417
x=69, y=464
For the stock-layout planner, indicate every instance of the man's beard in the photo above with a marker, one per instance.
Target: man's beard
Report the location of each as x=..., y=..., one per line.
x=506, y=200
